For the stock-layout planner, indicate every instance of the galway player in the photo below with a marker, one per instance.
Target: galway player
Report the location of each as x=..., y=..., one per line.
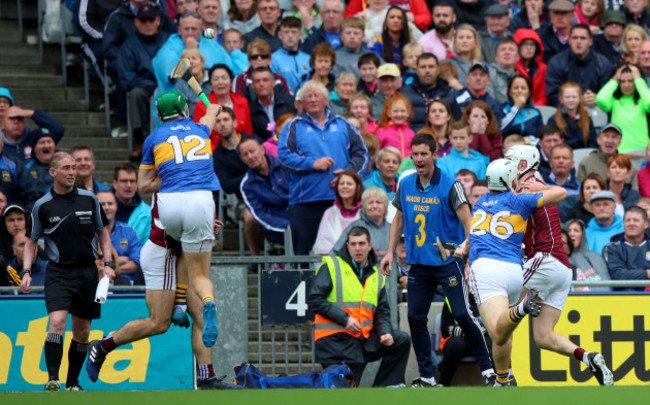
x=547, y=269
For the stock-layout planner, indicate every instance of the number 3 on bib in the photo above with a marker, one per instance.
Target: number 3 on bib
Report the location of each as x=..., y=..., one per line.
x=419, y=239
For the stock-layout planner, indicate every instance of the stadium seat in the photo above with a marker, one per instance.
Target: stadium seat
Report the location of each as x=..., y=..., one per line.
x=598, y=117
x=547, y=112
x=579, y=154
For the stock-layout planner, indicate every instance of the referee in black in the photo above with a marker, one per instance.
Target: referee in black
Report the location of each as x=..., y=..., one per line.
x=72, y=222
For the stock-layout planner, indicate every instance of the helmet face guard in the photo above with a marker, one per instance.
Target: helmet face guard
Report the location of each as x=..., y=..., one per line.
x=171, y=104
x=501, y=174
x=524, y=153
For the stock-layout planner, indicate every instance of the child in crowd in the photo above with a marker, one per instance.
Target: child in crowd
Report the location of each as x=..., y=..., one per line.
x=590, y=13
x=573, y=119
x=410, y=54
x=352, y=47
x=467, y=178
x=233, y=42
x=461, y=156
x=271, y=144
x=393, y=125
x=372, y=144
x=374, y=16
x=360, y=106
x=289, y=60
x=356, y=122
x=368, y=65
x=512, y=140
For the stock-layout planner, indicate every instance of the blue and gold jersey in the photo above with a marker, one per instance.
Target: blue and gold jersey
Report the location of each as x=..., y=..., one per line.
x=499, y=224
x=428, y=214
x=181, y=152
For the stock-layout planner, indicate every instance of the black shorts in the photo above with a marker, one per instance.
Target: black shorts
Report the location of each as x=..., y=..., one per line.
x=72, y=290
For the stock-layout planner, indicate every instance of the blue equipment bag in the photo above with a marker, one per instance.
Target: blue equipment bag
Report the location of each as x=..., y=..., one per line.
x=334, y=376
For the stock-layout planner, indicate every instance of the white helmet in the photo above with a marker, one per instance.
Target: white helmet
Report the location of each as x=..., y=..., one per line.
x=501, y=175
x=525, y=153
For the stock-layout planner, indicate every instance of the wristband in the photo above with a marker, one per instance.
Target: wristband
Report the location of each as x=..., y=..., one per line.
x=25, y=271
x=110, y=264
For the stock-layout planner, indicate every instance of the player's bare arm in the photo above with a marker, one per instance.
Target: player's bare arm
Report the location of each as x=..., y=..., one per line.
x=551, y=194
x=210, y=117
x=28, y=260
x=148, y=181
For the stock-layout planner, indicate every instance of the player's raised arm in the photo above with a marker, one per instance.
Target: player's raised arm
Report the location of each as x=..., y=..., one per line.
x=551, y=194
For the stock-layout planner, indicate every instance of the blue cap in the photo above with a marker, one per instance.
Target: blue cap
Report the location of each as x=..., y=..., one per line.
x=4, y=92
x=612, y=126
x=481, y=65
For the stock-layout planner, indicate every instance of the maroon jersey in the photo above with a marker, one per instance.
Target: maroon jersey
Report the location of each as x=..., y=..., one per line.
x=158, y=235
x=544, y=233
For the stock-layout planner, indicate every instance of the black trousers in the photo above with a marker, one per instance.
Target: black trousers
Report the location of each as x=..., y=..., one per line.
x=393, y=362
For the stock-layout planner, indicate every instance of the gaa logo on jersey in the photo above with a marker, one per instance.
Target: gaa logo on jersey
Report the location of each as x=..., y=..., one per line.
x=124, y=243
x=6, y=176
x=453, y=282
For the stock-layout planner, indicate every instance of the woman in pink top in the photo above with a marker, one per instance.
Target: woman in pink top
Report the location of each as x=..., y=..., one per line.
x=393, y=129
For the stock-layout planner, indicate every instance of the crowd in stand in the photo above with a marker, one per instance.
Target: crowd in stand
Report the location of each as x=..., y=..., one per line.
x=323, y=99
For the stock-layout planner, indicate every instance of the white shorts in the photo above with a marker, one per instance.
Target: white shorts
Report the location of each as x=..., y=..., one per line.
x=158, y=266
x=550, y=277
x=188, y=217
x=490, y=278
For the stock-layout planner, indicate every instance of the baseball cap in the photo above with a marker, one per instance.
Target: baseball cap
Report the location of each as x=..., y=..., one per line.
x=4, y=92
x=613, y=17
x=611, y=125
x=12, y=207
x=496, y=9
x=563, y=6
x=149, y=10
x=603, y=195
x=388, y=69
x=481, y=65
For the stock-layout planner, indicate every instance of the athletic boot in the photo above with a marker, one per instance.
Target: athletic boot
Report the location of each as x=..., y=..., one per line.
x=423, y=382
x=180, y=318
x=531, y=303
x=96, y=357
x=73, y=387
x=213, y=383
x=512, y=381
x=210, y=327
x=599, y=369
x=53, y=385
x=491, y=381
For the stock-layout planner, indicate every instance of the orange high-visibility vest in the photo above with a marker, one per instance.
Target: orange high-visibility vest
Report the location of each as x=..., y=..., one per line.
x=358, y=301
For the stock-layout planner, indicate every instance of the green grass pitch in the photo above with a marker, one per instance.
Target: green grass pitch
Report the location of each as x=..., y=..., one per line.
x=365, y=396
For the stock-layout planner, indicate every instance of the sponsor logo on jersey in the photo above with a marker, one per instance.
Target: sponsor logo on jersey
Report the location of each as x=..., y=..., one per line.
x=124, y=243
x=54, y=219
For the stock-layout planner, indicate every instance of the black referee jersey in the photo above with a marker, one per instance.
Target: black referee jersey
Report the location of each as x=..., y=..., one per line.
x=70, y=224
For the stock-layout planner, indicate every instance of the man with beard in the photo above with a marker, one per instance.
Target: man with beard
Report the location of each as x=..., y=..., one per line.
x=43, y=148
x=440, y=40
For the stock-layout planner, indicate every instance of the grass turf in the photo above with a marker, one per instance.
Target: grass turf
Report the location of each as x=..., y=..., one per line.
x=456, y=396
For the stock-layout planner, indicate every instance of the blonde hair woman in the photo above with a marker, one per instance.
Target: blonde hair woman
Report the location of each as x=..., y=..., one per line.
x=467, y=49
x=631, y=40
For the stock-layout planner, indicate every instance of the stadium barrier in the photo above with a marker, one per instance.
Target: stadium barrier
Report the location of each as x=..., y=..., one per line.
x=281, y=328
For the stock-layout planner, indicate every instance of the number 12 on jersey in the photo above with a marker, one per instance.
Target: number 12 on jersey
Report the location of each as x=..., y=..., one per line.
x=187, y=150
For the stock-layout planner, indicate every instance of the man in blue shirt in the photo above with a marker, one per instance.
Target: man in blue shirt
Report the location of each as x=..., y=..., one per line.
x=289, y=61
x=432, y=205
x=124, y=239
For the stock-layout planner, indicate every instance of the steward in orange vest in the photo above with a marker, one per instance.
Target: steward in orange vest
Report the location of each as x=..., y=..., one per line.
x=352, y=322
